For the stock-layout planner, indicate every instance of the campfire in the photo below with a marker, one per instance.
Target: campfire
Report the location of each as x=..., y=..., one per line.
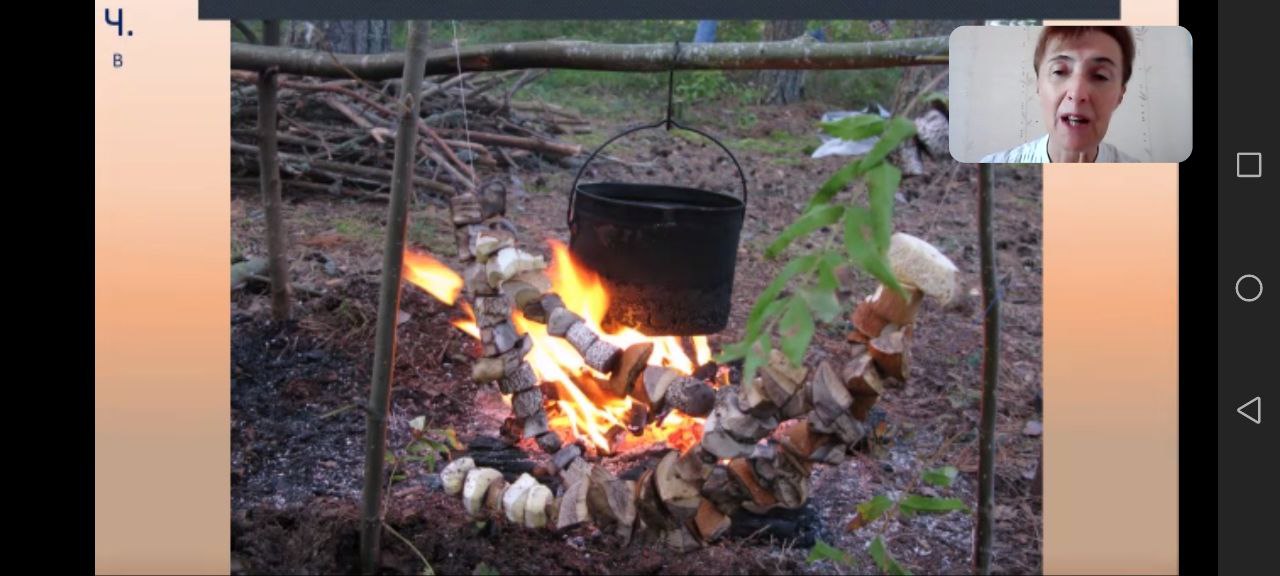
x=737, y=452
x=578, y=399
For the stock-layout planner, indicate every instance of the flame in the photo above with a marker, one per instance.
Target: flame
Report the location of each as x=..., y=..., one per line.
x=429, y=274
x=581, y=410
x=469, y=324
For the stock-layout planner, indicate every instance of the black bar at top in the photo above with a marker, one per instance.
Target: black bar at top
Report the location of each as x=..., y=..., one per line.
x=658, y=9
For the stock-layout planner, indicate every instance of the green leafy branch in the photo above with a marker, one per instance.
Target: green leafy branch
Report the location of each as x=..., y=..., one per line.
x=426, y=445
x=884, y=508
x=867, y=231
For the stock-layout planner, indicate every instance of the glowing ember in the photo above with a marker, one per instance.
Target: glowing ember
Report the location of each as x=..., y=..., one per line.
x=581, y=411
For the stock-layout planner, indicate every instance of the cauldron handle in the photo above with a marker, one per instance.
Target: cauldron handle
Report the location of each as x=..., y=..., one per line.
x=668, y=122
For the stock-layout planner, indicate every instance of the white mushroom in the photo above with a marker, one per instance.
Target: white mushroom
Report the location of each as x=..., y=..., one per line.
x=454, y=474
x=513, y=500
x=474, y=489
x=916, y=263
x=535, y=506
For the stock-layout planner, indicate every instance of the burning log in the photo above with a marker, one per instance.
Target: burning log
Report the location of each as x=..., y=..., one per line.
x=549, y=442
x=487, y=370
x=486, y=242
x=722, y=490
x=492, y=310
x=520, y=381
x=801, y=440
x=527, y=403
x=740, y=425
x=610, y=501
x=679, y=496
x=598, y=354
x=753, y=400
x=649, y=506
x=637, y=418
x=830, y=398
x=630, y=367
x=761, y=499
x=540, y=309
x=536, y=425
x=573, y=509
x=863, y=382
x=491, y=452
x=720, y=443
x=566, y=456
x=526, y=287
x=691, y=396
x=783, y=384
x=891, y=351
x=498, y=339
x=844, y=426
x=465, y=209
x=508, y=262
x=476, y=280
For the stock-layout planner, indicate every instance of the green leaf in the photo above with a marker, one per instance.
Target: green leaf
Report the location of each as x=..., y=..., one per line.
x=854, y=128
x=882, y=185
x=823, y=551
x=821, y=297
x=437, y=447
x=483, y=569
x=452, y=437
x=774, y=308
x=796, y=329
x=812, y=220
x=941, y=476
x=732, y=352
x=431, y=461
x=886, y=562
x=756, y=357
x=857, y=240
x=873, y=509
x=897, y=130
x=835, y=184
x=762, y=311
x=914, y=503
x=822, y=302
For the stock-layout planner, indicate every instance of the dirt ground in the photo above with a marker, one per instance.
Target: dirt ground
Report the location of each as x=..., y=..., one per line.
x=297, y=435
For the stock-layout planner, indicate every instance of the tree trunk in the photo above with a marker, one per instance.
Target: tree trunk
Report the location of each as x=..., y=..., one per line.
x=389, y=297
x=340, y=36
x=990, y=373
x=610, y=57
x=268, y=160
x=782, y=86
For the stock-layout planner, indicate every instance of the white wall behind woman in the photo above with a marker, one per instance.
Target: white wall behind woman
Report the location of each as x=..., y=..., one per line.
x=994, y=105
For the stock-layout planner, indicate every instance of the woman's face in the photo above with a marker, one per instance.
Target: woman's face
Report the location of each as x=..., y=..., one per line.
x=1080, y=85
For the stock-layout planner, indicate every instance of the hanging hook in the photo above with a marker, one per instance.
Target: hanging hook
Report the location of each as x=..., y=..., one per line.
x=671, y=83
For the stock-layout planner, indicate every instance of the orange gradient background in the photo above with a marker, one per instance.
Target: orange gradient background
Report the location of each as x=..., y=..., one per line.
x=162, y=322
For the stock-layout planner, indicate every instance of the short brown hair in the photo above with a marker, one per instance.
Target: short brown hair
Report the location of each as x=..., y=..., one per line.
x=1120, y=34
